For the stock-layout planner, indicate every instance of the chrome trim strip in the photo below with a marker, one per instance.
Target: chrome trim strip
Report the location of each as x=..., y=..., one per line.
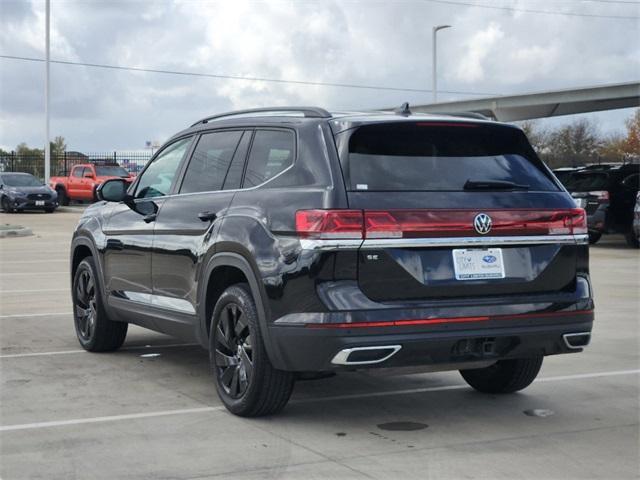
x=341, y=358
x=473, y=241
x=317, y=244
x=567, y=336
x=377, y=243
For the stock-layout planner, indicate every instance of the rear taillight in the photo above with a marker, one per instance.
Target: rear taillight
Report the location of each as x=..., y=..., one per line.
x=454, y=223
x=602, y=196
x=374, y=224
x=329, y=223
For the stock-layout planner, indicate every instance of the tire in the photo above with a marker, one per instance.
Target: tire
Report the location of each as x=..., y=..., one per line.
x=5, y=205
x=95, y=332
x=632, y=239
x=62, y=197
x=594, y=237
x=246, y=382
x=505, y=376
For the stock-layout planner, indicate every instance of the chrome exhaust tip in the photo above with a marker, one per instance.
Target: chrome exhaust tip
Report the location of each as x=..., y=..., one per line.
x=365, y=355
x=576, y=341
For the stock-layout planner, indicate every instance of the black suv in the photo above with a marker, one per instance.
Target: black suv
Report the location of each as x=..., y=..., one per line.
x=608, y=194
x=293, y=243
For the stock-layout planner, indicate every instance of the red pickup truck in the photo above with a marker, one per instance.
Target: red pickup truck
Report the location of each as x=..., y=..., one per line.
x=82, y=181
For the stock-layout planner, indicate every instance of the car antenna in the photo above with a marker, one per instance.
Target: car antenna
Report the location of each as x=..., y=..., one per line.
x=403, y=110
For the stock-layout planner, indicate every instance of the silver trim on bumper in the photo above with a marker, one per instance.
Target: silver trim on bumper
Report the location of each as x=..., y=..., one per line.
x=376, y=243
x=342, y=357
x=567, y=336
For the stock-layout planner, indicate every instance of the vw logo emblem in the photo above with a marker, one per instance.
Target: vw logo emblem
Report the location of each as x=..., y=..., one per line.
x=482, y=223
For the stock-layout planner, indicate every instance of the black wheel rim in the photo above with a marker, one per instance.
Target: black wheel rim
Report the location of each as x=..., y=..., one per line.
x=233, y=351
x=85, y=305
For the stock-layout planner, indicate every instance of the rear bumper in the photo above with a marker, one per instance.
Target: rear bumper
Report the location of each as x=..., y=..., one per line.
x=319, y=346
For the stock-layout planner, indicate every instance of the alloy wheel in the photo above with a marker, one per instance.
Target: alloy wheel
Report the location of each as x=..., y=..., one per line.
x=233, y=351
x=85, y=305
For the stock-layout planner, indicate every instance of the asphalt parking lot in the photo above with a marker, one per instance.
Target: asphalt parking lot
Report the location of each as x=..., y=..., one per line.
x=150, y=410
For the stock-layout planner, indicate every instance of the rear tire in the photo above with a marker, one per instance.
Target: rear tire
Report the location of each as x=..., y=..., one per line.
x=505, y=376
x=62, y=197
x=95, y=331
x=632, y=239
x=246, y=382
x=594, y=237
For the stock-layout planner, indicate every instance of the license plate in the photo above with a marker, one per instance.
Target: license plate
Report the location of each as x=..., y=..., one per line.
x=478, y=264
x=39, y=203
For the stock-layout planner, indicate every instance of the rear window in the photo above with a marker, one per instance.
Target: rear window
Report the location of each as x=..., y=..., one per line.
x=587, y=181
x=432, y=156
x=111, y=171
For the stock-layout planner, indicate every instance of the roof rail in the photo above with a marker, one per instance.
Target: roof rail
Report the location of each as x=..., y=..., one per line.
x=308, y=112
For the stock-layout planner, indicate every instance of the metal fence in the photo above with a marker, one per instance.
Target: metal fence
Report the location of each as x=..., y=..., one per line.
x=62, y=163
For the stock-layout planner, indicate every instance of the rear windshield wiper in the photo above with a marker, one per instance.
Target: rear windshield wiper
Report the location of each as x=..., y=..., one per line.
x=493, y=185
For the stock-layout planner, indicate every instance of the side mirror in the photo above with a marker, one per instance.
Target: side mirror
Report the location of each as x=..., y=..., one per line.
x=89, y=175
x=114, y=190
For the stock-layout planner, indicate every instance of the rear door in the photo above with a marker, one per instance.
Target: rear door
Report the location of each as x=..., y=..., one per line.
x=189, y=220
x=74, y=182
x=454, y=209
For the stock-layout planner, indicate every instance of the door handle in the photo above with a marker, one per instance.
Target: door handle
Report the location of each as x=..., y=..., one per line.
x=207, y=216
x=150, y=218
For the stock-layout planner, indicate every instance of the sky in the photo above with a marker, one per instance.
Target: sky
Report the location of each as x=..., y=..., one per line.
x=495, y=47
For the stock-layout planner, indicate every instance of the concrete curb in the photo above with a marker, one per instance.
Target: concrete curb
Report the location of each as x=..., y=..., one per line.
x=14, y=231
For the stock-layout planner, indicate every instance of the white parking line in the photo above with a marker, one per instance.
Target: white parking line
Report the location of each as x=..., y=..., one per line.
x=26, y=315
x=68, y=352
x=31, y=273
x=20, y=262
x=183, y=411
x=37, y=290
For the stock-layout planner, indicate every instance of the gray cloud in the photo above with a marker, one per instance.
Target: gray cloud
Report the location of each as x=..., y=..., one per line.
x=364, y=42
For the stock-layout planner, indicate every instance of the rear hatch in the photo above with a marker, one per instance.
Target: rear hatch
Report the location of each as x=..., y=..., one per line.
x=589, y=188
x=456, y=209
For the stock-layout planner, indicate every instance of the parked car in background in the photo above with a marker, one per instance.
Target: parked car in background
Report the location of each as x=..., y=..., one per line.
x=23, y=191
x=633, y=237
x=295, y=243
x=608, y=194
x=84, y=179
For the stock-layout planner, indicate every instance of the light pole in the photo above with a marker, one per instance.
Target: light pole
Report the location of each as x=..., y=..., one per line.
x=47, y=145
x=435, y=62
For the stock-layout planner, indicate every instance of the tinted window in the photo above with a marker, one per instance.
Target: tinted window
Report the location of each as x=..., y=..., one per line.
x=156, y=180
x=210, y=162
x=23, y=180
x=234, y=175
x=77, y=172
x=632, y=182
x=587, y=181
x=272, y=151
x=111, y=171
x=438, y=157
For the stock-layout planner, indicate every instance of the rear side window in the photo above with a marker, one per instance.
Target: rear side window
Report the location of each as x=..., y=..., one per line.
x=271, y=153
x=210, y=162
x=429, y=156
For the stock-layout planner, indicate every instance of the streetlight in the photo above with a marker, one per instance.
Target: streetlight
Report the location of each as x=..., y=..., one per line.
x=435, y=63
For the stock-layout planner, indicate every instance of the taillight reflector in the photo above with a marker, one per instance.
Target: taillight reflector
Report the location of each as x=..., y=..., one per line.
x=329, y=223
